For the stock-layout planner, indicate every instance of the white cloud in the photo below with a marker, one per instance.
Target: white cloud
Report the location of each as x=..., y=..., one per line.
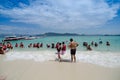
x=12, y=29
x=63, y=14
x=7, y=28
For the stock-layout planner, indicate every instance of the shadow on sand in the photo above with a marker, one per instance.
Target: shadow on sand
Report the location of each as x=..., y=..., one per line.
x=63, y=60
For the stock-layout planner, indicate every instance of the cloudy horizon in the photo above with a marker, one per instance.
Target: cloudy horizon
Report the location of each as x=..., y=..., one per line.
x=73, y=16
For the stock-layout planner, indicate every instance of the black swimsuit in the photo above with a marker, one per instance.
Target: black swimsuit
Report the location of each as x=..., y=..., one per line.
x=73, y=51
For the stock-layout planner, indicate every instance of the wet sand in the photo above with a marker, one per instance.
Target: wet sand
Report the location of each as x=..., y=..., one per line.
x=54, y=70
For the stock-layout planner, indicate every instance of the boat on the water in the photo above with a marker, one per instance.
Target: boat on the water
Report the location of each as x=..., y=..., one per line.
x=12, y=38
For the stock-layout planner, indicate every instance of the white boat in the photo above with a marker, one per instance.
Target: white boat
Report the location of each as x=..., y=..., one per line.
x=11, y=38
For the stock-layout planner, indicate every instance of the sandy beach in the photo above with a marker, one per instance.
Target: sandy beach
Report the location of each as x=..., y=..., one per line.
x=59, y=39
x=54, y=70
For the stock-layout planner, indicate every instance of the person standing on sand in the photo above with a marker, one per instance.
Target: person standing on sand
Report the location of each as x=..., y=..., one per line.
x=72, y=45
x=59, y=48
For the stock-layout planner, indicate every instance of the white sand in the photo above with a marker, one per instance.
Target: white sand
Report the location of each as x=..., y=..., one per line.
x=54, y=70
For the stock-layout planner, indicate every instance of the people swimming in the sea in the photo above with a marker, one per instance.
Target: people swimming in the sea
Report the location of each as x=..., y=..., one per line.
x=100, y=42
x=48, y=45
x=85, y=44
x=38, y=45
x=9, y=45
x=96, y=44
x=107, y=43
x=52, y=45
x=21, y=45
x=92, y=43
x=89, y=48
x=34, y=45
x=16, y=45
x=41, y=45
x=4, y=46
x=1, y=50
x=30, y=45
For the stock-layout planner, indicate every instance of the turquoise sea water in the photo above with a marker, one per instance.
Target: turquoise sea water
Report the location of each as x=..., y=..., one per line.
x=107, y=56
x=114, y=42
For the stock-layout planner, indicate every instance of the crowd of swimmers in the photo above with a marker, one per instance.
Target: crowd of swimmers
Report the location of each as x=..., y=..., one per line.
x=95, y=44
x=5, y=47
x=34, y=45
x=59, y=46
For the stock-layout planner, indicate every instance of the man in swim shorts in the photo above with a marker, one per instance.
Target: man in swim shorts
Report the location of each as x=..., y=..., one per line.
x=72, y=45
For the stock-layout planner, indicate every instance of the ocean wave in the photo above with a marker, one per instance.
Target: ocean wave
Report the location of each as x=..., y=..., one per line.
x=106, y=59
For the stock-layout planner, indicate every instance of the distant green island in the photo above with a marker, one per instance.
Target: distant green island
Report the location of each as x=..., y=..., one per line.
x=59, y=34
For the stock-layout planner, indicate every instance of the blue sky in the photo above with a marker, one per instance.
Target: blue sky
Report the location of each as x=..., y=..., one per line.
x=71, y=16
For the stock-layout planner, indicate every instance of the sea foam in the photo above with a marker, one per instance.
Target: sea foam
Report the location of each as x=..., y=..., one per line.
x=106, y=59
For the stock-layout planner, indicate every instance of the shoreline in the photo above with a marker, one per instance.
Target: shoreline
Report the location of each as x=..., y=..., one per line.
x=43, y=65
x=54, y=70
x=110, y=60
